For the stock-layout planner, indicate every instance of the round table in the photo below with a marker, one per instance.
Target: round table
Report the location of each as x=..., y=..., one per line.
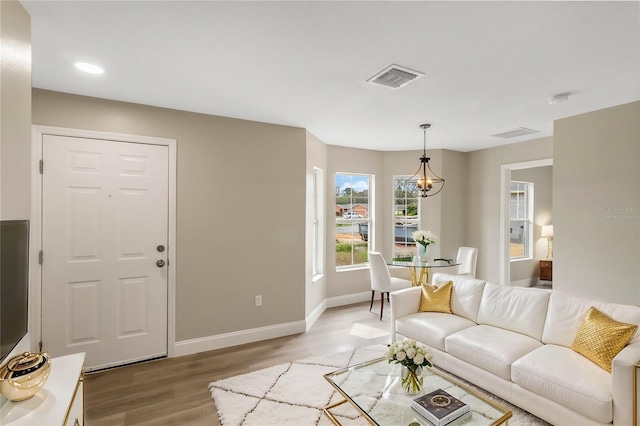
x=422, y=277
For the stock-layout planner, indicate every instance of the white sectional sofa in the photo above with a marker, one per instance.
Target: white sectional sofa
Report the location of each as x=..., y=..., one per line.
x=516, y=343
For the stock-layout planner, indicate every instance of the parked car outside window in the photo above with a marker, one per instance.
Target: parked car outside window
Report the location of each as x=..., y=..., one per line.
x=349, y=215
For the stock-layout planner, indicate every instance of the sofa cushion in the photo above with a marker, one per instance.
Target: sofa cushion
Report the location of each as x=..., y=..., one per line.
x=490, y=348
x=436, y=298
x=566, y=312
x=466, y=294
x=518, y=309
x=564, y=376
x=431, y=328
x=601, y=338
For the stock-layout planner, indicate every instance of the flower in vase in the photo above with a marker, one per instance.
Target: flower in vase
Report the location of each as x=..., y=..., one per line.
x=412, y=356
x=424, y=238
x=409, y=353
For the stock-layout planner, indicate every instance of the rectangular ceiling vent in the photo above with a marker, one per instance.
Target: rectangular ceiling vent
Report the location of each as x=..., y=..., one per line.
x=395, y=76
x=520, y=131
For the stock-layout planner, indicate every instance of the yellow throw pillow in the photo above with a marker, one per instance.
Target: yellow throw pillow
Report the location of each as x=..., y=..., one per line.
x=436, y=299
x=600, y=338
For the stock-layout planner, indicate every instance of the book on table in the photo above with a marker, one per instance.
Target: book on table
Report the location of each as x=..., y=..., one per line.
x=439, y=407
x=420, y=420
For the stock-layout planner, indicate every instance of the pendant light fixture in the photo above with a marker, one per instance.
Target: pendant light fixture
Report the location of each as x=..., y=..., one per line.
x=429, y=183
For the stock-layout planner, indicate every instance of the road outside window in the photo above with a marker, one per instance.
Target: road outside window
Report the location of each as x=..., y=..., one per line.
x=353, y=219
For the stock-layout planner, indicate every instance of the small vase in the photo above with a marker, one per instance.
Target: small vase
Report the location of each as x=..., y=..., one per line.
x=422, y=252
x=412, y=379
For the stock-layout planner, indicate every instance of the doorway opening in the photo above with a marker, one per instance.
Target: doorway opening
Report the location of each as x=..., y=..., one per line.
x=505, y=217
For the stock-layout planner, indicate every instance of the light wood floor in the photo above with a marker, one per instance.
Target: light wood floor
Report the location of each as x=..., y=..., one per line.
x=174, y=391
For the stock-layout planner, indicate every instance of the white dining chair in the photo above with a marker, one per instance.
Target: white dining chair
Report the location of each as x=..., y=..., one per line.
x=467, y=258
x=381, y=279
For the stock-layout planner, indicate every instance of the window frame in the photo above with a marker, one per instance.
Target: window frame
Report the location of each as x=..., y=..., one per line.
x=413, y=220
x=368, y=219
x=318, y=224
x=527, y=219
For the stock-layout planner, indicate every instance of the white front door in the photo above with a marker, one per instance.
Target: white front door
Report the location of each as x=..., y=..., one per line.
x=104, y=238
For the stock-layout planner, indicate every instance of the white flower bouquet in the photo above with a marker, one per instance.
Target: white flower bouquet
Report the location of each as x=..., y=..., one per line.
x=413, y=357
x=409, y=353
x=424, y=238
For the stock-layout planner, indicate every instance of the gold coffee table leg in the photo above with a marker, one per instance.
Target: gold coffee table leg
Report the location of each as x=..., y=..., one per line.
x=325, y=410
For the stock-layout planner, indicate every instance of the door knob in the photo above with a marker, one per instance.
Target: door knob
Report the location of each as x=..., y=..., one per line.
x=160, y=263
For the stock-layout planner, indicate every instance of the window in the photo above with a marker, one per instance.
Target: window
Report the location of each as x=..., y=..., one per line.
x=406, y=215
x=520, y=220
x=354, y=226
x=318, y=222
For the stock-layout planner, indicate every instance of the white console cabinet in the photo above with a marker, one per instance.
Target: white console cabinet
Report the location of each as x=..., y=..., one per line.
x=59, y=402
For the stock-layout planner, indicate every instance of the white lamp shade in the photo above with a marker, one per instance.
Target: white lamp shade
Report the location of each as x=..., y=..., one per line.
x=547, y=231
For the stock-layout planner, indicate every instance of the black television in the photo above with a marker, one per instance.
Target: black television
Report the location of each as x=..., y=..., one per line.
x=14, y=283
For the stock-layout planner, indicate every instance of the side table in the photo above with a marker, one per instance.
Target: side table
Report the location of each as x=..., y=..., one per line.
x=546, y=270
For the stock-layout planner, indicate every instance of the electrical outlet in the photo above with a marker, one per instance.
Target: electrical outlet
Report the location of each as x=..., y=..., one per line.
x=259, y=300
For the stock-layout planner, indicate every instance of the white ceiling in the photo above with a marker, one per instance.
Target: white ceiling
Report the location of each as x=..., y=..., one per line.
x=489, y=66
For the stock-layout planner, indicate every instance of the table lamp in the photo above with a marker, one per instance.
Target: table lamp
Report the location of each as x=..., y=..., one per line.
x=547, y=232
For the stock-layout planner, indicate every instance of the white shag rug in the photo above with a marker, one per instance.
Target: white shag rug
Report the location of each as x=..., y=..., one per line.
x=295, y=394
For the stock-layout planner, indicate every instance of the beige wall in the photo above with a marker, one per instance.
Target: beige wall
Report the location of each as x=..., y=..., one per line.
x=403, y=163
x=483, y=198
x=350, y=160
x=527, y=272
x=442, y=214
x=240, y=209
x=267, y=162
x=15, y=112
x=316, y=287
x=454, y=204
x=596, y=204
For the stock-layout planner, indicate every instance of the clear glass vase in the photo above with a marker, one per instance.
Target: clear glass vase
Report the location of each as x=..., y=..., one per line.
x=422, y=252
x=412, y=379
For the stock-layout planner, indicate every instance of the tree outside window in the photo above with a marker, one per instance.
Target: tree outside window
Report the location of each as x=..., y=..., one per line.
x=406, y=215
x=353, y=219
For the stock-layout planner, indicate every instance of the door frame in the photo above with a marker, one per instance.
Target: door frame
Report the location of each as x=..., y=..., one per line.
x=505, y=179
x=35, y=241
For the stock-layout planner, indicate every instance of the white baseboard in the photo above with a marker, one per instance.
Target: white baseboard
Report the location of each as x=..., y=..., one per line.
x=219, y=341
x=527, y=282
x=348, y=299
x=313, y=317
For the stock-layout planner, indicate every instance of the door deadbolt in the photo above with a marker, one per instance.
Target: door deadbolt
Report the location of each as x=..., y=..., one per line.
x=160, y=263
x=160, y=248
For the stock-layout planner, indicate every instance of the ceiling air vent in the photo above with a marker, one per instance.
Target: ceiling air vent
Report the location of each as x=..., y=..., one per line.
x=395, y=76
x=520, y=131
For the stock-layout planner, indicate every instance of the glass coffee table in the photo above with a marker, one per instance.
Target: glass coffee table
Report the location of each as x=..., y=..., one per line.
x=374, y=389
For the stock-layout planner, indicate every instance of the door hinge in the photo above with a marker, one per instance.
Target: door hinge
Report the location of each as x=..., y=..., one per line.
x=41, y=166
x=41, y=257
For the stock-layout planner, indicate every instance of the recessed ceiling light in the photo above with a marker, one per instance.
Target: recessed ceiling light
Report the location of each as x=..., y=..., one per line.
x=90, y=68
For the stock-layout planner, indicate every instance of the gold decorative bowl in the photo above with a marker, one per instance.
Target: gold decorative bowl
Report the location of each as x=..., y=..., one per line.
x=24, y=375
